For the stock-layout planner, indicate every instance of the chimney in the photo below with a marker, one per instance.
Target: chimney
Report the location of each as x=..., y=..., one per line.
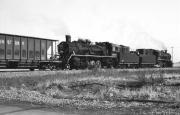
x=68, y=38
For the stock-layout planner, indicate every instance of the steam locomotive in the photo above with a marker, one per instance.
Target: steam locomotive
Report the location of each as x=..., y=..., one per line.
x=40, y=53
x=82, y=54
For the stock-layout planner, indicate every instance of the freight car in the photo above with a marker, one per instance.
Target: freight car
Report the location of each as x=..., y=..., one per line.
x=26, y=52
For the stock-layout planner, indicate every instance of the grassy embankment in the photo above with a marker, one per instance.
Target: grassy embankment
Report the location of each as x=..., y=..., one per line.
x=93, y=89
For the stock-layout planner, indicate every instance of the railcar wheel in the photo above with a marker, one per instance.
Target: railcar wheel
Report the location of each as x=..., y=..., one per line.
x=91, y=64
x=51, y=67
x=98, y=64
x=42, y=67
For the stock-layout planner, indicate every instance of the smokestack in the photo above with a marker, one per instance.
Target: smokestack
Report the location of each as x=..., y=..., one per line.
x=68, y=38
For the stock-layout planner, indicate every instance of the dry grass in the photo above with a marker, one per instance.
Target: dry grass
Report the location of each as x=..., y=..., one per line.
x=90, y=87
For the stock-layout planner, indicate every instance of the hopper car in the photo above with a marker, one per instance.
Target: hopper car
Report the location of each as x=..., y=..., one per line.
x=26, y=52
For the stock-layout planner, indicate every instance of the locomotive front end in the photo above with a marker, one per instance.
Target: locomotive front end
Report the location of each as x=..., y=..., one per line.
x=164, y=59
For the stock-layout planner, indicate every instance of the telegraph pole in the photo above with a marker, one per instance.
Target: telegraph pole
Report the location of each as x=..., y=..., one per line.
x=172, y=53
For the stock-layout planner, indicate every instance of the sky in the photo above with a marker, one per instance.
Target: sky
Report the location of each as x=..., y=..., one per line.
x=134, y=23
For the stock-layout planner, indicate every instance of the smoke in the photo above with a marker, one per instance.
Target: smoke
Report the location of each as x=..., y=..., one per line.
x=144, y=40
x=133, y=34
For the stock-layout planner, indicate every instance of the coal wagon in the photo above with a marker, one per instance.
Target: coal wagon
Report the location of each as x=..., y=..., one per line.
x=26, y=52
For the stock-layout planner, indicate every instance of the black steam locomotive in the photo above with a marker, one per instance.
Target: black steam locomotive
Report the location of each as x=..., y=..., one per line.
x=39, y=53
x=83, y=54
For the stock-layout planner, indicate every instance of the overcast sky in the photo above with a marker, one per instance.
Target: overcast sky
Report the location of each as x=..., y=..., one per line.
x=136, y=23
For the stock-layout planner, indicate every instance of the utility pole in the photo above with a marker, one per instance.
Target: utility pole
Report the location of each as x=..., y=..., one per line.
x=172, y=53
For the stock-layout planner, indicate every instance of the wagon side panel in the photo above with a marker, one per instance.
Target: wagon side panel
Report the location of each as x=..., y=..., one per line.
x=43, y=50
x=16, y=48
x=37, y=49
x=9, y=47
x=24, y=48
x=2, y=47
x=30, y=49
